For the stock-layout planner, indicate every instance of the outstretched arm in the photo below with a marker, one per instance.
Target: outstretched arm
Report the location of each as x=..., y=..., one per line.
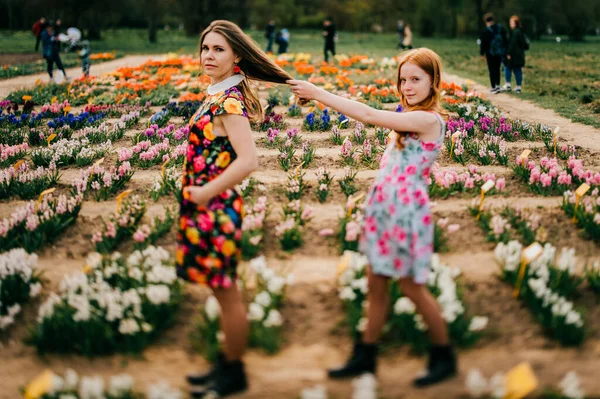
x=419, y=122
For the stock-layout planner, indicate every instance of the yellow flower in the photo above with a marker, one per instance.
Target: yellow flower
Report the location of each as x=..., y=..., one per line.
x=193, y=235
x=223, y=159
x=228, y=248
x=27, y=98
x=233, y=106
x=208, y=133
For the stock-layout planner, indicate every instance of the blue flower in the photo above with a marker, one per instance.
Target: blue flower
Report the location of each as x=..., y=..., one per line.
x=399, y=108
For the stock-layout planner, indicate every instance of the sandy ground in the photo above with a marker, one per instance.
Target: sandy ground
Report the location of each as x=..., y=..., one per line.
x=315, y=338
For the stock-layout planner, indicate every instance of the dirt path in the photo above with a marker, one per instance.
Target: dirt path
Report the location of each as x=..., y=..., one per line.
x=9, y=85
x=314, y=331
x=575, y=133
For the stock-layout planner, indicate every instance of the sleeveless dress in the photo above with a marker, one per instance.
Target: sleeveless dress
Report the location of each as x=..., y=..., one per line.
x=209, y=238
x=397, y=236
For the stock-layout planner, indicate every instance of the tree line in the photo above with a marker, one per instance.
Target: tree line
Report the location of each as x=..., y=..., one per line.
x=448, y=18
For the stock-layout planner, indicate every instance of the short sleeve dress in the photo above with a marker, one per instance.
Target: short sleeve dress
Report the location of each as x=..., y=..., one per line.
x=209, y=238
x=397, y=236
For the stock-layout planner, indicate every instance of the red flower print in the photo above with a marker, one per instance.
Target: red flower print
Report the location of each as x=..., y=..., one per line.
x=398, y=263
x=426, y=172
x=410, y=170
x=370, y=225
x=199, y=163
x=205, y=222
x=427, y=220
x=428, y=145
x=399, y=233
x=406, y=200
x=202, y=122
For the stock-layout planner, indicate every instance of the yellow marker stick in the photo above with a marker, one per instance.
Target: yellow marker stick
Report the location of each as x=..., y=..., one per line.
x=121, y=196
x=580, y=192
x=520, y=381
x=487, y=186
x=50, y=138
x=524, y=156
x=43, y=193
x=17, y=164
x=40, y=385
x=162, y=169
x=528, y=255
x=455, y=136
x=555, y=139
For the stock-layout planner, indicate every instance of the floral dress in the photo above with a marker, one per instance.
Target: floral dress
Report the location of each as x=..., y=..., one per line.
x=397, y=236
x=209, y=238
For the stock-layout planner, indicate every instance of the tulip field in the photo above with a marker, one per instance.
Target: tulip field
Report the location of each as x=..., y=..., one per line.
x=90, y=180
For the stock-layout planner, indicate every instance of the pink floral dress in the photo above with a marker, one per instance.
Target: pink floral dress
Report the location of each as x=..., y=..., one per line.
x=397, y=235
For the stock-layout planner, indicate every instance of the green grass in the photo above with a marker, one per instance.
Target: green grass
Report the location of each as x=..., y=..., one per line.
x=560, y=76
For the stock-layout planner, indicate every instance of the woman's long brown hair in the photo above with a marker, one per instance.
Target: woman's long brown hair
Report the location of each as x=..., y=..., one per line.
x=254, y=63
x=431, y=63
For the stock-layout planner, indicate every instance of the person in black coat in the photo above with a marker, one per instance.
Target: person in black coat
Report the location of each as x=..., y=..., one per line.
x=329, y=36
x=515, y=54
x=270, y=35
x=493, y=42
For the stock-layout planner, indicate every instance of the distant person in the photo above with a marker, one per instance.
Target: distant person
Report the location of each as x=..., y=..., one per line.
x=329, y=36
x=56, y=28
x=515, y=54
x=407, y=41
x=81, y=47
x=270, y=35
x=37, y=28
x=50, y=51
x=400, y=32
x=492, y=46
x=283, y=40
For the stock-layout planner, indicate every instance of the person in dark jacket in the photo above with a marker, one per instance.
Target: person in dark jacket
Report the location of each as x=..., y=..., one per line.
x=329, y=36
x=515, y=54
x=270, y=35
x=50, y=51
x=492, y=48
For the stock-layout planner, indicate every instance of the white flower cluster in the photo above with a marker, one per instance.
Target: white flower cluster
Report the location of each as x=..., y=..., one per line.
x=478, y=386
x=538, y=281
x=353, y=284
x=63, y=150
x=316, y=392
x=87, y=154
x=92, y=296
x=571, y=387
x=479, y=112
x=72, y=386
x=364, y=387
x=271, y=290
x=16, y=265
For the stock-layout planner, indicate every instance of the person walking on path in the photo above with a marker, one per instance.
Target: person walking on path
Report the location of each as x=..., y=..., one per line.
x=407, y=41
x=329, y=33
x=50, y=51
x=400, y=32
x=37, y=28
x=283, y=41
x=515, y=54
x=397, y=236
x=492, y=47
x=221, y=153
x=270, y=35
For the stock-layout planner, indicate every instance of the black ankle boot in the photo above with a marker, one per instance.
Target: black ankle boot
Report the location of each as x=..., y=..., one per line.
x=202, y=379
x=363, y=360
x=441, y=366
x=230, y=379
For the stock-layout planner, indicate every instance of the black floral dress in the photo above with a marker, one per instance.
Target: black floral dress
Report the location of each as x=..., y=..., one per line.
x=209, y=238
